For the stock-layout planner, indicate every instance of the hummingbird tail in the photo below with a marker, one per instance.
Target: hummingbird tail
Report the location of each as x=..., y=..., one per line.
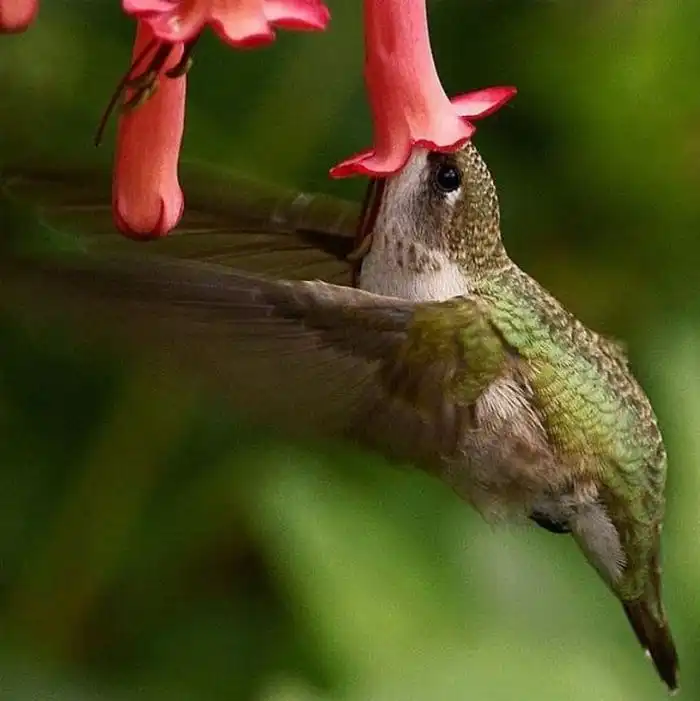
x=654, y=634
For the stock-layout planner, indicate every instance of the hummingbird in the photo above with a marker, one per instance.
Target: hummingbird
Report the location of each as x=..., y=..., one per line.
x=421, y=339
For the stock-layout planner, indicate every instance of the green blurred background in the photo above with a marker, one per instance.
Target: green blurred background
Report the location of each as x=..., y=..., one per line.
x=152, y=547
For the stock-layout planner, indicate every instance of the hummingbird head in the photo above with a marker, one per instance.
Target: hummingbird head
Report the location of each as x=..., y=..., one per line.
x=445, y=203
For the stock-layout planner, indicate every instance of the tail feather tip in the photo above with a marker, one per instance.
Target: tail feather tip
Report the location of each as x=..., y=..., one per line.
x=655, y=637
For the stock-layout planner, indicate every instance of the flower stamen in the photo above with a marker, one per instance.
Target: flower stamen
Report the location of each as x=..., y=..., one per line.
x=144, y=85
x=185, y=63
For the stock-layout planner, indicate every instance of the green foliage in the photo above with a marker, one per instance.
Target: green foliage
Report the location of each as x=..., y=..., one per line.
x=154, y=547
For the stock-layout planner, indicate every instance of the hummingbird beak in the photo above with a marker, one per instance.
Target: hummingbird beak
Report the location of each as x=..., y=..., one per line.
x=365, y=225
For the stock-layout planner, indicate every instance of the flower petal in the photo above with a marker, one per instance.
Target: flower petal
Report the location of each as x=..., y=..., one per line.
x=241, y=23
x=179, y=25
x=139, y=7
x=297, y=14
x=17, y=15
x=481, y=103
x=371, y=163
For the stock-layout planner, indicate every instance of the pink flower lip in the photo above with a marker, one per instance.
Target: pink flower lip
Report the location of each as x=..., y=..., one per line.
x=241, y=23
x=145, y=230
x=409, y=105
x=17, y=15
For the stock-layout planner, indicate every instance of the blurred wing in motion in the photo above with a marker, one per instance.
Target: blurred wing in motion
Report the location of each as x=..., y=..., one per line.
x=300, y=355
x=228, y=219
x=307, y=357
x=295, y=354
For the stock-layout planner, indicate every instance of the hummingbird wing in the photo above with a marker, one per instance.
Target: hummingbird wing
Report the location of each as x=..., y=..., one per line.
x=299, y=355
x=229, y=219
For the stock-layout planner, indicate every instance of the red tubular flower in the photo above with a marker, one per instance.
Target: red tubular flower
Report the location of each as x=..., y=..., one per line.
x=409, y=105
x=17, y=15
x=146, y=197
x=241, y=23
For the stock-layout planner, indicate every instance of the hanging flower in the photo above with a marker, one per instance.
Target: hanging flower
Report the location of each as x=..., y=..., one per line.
x=241, y=23
x=409, y=105
x=146, y=197
x=17, y=15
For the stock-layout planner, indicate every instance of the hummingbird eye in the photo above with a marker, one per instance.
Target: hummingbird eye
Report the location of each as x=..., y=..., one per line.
x=447, y=177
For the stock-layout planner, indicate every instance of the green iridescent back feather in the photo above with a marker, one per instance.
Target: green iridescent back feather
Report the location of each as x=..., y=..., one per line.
x=598, y=418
